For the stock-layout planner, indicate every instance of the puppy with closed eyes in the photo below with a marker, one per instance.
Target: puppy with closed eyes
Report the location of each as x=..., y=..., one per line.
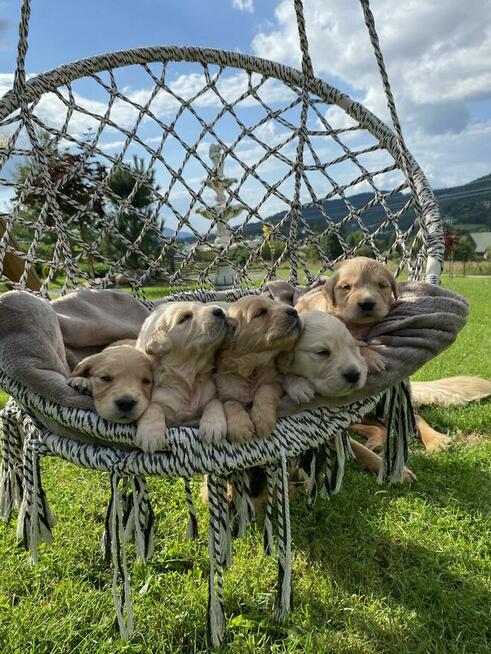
x=182, y=339
x=247, y=379
x=327, y=361
x=120, y=380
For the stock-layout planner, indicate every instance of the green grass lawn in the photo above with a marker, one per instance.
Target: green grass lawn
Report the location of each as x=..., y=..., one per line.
x=376, y=569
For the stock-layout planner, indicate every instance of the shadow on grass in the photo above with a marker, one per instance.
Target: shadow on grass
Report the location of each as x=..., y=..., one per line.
x=377, y=548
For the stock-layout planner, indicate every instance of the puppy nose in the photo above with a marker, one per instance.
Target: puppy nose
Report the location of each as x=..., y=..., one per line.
x=219, y=313
x=292, y=312
x=366, y=305
x=125, y=404
x=352, y=375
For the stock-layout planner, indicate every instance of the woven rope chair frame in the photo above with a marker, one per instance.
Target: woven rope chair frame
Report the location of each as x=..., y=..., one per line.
x=428, y=249
x=420, y=246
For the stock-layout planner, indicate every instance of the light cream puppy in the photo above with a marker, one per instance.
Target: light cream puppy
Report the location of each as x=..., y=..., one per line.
x=120, y=380
x=182, y=339
x=325, y=361
x=328, y=361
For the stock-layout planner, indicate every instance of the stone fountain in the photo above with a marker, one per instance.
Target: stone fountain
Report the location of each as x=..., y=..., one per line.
x=220, y=214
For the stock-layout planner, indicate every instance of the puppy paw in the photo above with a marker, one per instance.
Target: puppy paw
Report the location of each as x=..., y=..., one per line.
x=437, y=442
x=409, y=476
x=299, y=389
x=264, y=424
x=240, y=429
x=80, y=384
x=151, y=438
x=212, y=431
x=374, y=360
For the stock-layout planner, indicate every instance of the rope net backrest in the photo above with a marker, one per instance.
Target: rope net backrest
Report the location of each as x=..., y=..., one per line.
x=163, y=163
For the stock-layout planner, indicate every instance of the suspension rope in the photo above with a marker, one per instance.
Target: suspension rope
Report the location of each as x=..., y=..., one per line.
x=405, y=160
x=307, y=77
x=22, y=45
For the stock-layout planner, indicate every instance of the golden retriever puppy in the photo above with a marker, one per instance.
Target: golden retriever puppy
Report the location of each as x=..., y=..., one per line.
x=247, y=379
x=326, y=360
x=182, y=339
x=120, y=380
x=359, y=293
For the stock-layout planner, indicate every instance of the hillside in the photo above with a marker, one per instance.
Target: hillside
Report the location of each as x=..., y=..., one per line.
x=466, y=207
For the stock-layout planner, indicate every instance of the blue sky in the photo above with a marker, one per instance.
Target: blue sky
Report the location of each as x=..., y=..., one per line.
x=438, y=56
x=65, y=31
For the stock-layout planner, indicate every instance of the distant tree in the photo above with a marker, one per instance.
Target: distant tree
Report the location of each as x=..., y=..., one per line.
x=354, y=239
x=130, y=220
x=450, y=239
x=75, y=178
x=464, y=250
x=330, y=245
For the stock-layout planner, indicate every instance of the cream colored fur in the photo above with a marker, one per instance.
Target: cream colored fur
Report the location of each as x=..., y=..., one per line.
x=451, y=391
x=182, y=339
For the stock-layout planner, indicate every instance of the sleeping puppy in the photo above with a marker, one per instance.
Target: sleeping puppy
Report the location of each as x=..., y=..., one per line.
x=247, y=379
x=182, y=339
x=120, y=380
x=327, y=361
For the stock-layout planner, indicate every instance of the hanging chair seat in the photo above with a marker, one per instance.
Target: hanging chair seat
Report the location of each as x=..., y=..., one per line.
x=424, y=321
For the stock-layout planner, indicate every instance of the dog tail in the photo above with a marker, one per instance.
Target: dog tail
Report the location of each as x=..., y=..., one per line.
x=452, y=391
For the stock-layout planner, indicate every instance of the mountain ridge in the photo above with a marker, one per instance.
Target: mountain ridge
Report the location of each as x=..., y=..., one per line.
x=466, y=207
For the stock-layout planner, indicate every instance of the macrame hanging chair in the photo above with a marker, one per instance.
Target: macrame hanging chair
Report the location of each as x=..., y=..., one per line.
x=305, y=147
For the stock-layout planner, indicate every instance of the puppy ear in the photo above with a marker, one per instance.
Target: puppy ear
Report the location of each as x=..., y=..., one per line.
x=328, y=288
x=82, y=369
x=159, y=343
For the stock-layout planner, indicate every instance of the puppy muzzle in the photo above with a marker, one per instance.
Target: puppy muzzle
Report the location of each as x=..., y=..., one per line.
x=126, y=407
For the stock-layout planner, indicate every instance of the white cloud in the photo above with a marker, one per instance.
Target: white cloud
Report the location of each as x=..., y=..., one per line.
x=243, y=5
x=435, y=52
x=437, y=55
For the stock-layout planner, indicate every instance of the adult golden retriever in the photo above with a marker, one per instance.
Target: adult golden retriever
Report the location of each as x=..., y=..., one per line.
x=182, y=339
x=120, y=379
x=247, y=379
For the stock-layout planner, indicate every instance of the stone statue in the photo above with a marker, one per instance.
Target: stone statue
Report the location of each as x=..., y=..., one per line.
x=218, y=213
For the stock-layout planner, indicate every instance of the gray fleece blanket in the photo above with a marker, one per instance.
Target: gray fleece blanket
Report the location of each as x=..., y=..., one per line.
x=40, y=341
